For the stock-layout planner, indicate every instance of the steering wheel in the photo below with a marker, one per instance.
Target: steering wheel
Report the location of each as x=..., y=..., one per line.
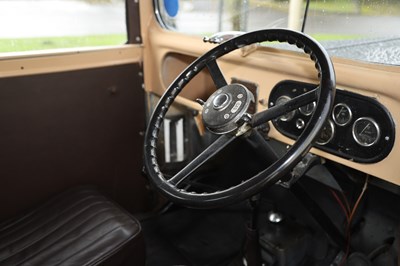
x=224, y=113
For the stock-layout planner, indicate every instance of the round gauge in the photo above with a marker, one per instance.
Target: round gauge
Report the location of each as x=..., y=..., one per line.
x=327, y=133
x=288, y=116
x=342, y=114
x=307, y=109
x=300, y=123
x=366, y=131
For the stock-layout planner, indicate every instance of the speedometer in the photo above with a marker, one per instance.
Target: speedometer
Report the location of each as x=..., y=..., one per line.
x=366, y=131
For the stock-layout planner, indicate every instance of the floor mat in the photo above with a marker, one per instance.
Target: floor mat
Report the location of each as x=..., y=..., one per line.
x=196, y=237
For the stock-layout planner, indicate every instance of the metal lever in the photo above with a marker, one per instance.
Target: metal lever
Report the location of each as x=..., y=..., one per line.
x=221, y=37
x=224, y=36
x=300, y=169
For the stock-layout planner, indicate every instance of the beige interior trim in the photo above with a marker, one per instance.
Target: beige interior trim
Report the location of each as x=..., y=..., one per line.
x=268, y=66
x=37, y=62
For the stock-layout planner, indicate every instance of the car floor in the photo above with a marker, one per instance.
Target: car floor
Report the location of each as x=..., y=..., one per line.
x=185, y=236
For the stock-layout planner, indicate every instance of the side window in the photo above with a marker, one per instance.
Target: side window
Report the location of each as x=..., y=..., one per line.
x=48, y=24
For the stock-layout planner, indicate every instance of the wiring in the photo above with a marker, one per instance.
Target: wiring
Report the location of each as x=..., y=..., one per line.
x=349, y=213
x=345, y=208
x=358, y=201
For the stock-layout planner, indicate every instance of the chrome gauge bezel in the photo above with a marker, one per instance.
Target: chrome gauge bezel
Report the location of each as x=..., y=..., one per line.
x=307, y=112
x=355, y=134
x=332, y=126
x=343, y=105
x=289, y=115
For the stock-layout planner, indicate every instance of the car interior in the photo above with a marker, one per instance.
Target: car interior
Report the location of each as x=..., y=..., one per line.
x=243, y=132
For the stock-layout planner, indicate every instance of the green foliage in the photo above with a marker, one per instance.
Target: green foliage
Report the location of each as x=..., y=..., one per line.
x=44, y=43
x=98, y=1
x=335, y=37
x=363, y=7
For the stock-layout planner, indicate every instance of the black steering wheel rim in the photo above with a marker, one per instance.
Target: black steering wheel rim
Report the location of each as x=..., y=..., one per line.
x=324, y=97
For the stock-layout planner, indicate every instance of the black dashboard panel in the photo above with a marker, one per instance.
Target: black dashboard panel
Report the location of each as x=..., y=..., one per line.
x=359, y=128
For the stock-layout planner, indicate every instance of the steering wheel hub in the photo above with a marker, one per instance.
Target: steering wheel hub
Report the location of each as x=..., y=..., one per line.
x=221, y=101
x=223, y=110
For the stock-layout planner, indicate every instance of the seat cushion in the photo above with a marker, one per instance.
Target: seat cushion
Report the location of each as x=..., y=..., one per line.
x=78, y=227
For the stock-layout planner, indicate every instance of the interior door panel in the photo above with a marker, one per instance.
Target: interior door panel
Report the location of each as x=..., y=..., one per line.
x=71, y=128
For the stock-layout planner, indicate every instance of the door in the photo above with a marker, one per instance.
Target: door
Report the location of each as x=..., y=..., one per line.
x=71, y=101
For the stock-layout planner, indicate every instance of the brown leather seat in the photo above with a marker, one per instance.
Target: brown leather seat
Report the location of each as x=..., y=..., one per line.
x=78, y=227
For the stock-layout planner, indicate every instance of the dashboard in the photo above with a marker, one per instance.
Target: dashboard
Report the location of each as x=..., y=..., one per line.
x=378, y=87
x=359, y=128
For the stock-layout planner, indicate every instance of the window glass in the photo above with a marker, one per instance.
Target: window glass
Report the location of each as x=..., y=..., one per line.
x=48, y=24
x=366, y=30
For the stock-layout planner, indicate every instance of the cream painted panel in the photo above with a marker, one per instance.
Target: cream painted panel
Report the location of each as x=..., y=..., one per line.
x=38, y=62
x=268, y=66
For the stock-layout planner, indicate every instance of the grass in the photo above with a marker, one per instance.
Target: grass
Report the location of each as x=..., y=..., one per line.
x=368, y=8
x=374, y=9
x=43, y=43
x=335, y=37
x=338, y=6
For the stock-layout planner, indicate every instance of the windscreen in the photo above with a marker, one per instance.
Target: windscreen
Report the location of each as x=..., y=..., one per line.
x=365, y=30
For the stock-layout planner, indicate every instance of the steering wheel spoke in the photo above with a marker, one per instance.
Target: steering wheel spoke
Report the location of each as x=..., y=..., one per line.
x=202, y=158
x=281, y=109
x=216, y=73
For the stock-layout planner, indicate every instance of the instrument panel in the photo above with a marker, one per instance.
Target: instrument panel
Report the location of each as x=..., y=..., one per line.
x=359, y=127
